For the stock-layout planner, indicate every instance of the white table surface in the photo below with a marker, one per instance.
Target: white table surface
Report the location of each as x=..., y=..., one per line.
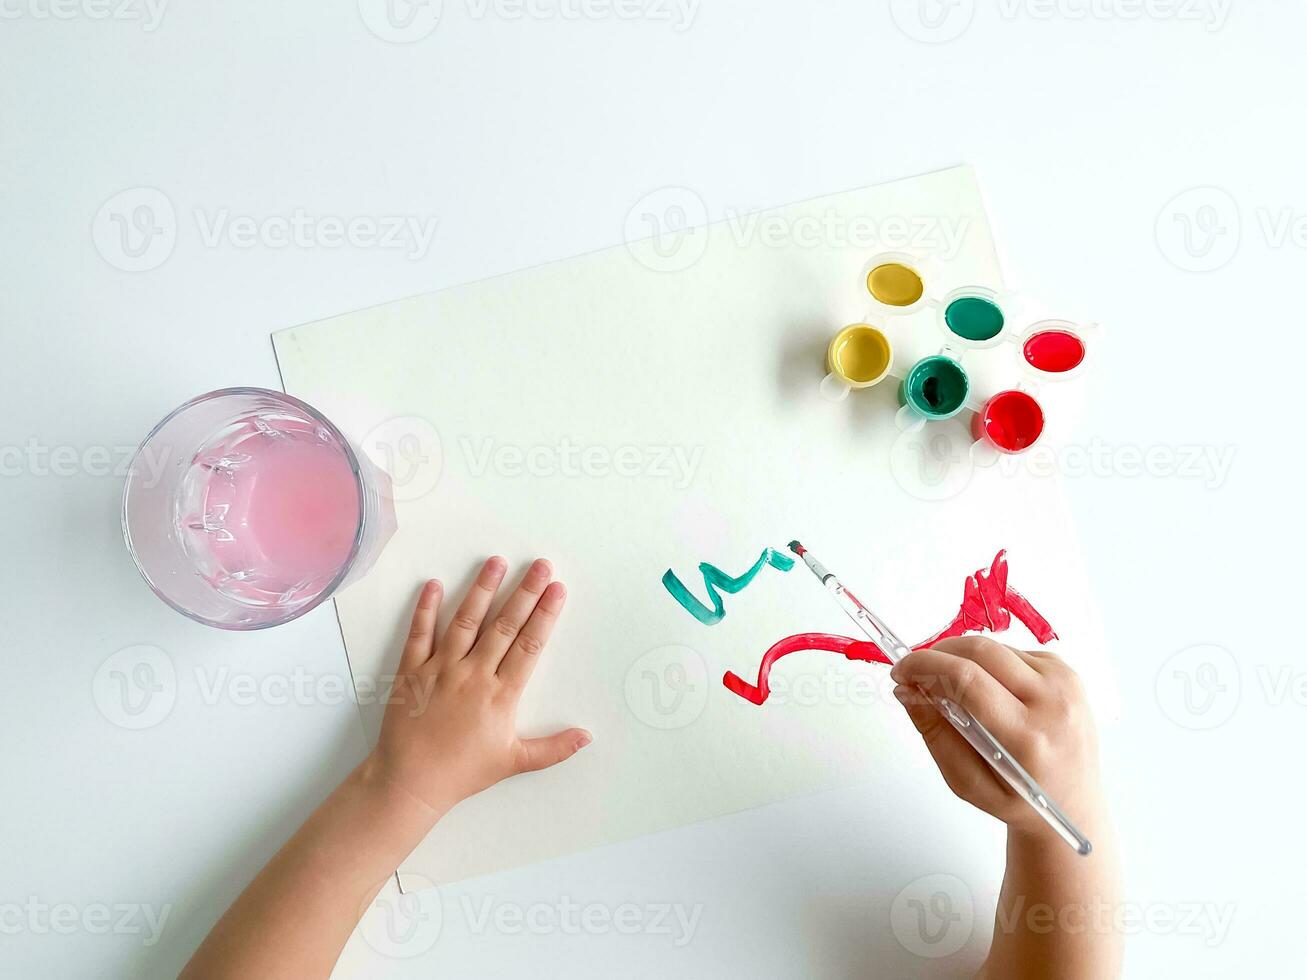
x=530, y=135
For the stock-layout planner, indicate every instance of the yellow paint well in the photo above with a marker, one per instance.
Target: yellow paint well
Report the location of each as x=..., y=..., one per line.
x=859, y=354
x=894, y=284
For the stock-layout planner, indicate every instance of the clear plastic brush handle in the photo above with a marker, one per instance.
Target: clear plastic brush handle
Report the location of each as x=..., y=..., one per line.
x=977, y=735
x=1011, y=772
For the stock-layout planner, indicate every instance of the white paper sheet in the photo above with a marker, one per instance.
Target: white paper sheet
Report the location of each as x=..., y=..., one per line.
x=621, y=418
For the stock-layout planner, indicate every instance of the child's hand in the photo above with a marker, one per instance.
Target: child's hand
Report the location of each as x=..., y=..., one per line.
x=1031, y=702
x=450, y=728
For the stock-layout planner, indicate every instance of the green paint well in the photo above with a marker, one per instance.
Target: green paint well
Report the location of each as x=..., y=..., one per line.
x=936, y=387
x=974, y=318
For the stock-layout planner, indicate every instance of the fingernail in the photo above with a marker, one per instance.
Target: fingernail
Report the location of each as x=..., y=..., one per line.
x=583, y=740
x=541, y=566
x=903, y=694
x=896, y=673
x=496, y=564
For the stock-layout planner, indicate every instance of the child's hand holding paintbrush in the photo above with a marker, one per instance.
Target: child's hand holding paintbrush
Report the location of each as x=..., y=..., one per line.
x=981, y=706
x=1057, y=910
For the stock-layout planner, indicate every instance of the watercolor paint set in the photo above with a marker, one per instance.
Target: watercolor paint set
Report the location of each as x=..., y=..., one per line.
x=940, y=385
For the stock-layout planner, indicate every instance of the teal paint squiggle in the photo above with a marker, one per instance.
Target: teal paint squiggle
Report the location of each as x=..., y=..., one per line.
x=714, y=578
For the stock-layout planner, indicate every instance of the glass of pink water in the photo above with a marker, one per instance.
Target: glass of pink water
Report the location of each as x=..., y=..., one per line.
x=245, y=508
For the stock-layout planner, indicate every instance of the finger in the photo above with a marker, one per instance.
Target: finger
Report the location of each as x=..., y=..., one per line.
x=1042, y=661
x=422, y=631
x=541, y=753
x=1060, y=683
x=521, y=659
x=965, y=682
x=495, y=640
x=463, y=628
x=1001, y=662
x=963, y=770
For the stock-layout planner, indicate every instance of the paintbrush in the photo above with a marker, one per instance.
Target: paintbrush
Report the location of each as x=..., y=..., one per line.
x=976, y=734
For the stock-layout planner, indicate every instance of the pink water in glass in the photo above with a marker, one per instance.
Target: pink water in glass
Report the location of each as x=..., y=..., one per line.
x=269, y=510
x=245, y=508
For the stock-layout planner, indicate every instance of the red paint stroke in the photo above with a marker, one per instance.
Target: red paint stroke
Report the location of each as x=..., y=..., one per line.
x=851, y=648
x=988, y=603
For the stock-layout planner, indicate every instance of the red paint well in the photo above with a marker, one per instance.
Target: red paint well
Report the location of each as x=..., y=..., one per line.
x=1054, y=351
x=1012, y=420
x=988, y=604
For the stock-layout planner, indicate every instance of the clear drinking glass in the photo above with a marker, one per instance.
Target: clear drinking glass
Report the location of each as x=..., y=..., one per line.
x=246, y=508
